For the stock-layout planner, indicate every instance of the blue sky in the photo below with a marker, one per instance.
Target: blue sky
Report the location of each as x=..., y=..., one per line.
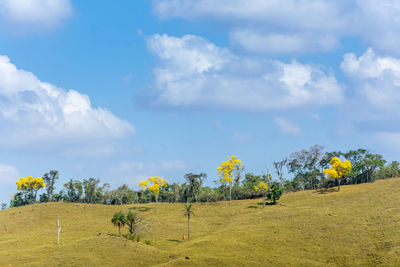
x=123, y=90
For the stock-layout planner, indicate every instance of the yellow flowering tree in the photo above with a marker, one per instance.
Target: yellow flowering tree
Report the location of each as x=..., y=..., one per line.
x=153, y=184
x=29, y=186
x=263, y=188
x=226, y=172
x=338, y=169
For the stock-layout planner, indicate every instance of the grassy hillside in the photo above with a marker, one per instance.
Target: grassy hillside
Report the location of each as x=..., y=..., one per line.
x=358, y=226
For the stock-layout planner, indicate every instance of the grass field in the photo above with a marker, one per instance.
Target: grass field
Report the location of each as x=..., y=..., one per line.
x=359, y=226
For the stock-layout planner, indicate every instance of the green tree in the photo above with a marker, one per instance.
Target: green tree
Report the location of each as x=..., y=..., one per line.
x=50, y=179
x=18, y=200
x=91, y=190
x=175, y=189
x=370, y=163
x=119, y=220
x=250, y=181
x=390, y=171
x=304, y=165
x=274, y=193
x=356, y=158
x=188, y=212
x=121, y=195
x=195, y=182
x=132, y=222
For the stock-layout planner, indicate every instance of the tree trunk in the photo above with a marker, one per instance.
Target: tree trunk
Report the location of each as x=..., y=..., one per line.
x=58, y=230
x=188, y=227
x=230, y=193
x=157, y=202
x=338, y=185
x=264, y=200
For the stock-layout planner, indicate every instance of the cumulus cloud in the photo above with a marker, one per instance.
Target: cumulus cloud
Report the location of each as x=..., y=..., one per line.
x=376, y=79
x=33, y=111
x=195, y=72
x=276, y=43
x=263, y=26
x=315, y=14
x=372, y=108
x=287, y=127
x=8, y=174
x=28, y=15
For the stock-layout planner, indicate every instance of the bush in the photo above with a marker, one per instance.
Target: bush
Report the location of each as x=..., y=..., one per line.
x=133, y=237
x=210, y=196
x=274, y=193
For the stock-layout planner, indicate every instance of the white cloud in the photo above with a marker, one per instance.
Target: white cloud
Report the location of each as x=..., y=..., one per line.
x=272, y=26
x=195, y=72
x=372, y=109
x=287, y=127
x=33, y=111
x=314, y=14
x=376, y=79
x=8, y=175
x=379, y=23
x=32, y=15
x=274, y=43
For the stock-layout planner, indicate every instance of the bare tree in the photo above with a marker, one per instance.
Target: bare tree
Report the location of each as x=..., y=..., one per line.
x=279, y=169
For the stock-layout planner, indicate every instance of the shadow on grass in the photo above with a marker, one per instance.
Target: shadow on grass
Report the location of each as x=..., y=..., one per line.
x=141, y=209
x=174, y=240
x=325, y=190
x=260, y=205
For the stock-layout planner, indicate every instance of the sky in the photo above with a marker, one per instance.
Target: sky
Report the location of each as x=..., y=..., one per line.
x=122, y=90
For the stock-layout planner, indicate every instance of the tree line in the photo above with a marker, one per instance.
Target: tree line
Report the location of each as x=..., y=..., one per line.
x=301, y=170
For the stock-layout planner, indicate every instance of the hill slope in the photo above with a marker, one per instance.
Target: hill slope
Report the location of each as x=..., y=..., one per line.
x=358, y=226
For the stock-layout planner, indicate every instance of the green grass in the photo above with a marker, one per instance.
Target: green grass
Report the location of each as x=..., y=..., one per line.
x=359, y=226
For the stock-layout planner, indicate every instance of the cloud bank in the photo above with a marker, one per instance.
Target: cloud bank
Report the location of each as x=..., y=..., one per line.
x=290, y=26
x=195, y=72
x=33, y=15
x=33, y=111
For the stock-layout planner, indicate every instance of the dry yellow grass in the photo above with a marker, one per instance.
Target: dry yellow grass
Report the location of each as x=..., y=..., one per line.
x=358, y=226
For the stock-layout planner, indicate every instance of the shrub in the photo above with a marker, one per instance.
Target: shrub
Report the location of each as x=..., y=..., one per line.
x=274, y=193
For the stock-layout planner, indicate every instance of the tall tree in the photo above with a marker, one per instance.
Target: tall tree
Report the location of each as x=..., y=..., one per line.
x=226, y=172
x=195, y=181
x=263, y=188
x=278, y=165
x=153, y=184
x=187, y=213
x=250, y=181
x=91, y=186
x=356, y=158
x=30, y=186
x=338, y=169
x=175, y=189
x=50, y=179
x=304, y=165
x=371, y=163
x=119, y=220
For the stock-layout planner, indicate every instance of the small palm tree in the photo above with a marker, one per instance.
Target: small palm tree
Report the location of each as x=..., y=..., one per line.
x=132, y=221
x=119, y=220
x=187, y=213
